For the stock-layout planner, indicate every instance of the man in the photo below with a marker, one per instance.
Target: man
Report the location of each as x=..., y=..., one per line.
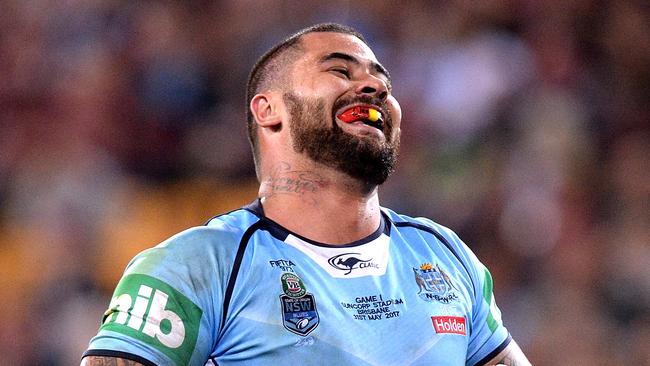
x=314, y=272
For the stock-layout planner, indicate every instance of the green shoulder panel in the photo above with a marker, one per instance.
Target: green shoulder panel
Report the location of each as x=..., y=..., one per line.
x=488, y=295
x=153, y=312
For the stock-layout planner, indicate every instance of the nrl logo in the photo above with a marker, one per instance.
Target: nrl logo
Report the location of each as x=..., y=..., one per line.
x=434, y=284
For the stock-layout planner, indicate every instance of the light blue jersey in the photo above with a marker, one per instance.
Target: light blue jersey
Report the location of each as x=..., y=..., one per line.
x=243, y=290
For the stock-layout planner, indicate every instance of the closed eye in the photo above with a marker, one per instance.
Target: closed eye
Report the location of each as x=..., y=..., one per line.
x=342, y=71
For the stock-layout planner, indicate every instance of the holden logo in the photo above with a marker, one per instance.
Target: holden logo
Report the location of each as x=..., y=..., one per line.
x=349, y=261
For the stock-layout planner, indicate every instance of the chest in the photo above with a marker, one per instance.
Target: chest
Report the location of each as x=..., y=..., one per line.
x=399, y=303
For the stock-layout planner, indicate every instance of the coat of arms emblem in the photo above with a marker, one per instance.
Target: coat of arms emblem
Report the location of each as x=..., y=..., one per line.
x=434, y=283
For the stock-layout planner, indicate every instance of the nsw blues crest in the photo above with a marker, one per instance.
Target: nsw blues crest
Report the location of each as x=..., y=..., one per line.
x=434, y=284
x=299, y=314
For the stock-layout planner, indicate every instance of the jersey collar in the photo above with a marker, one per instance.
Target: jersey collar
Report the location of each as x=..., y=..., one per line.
x=281, y=233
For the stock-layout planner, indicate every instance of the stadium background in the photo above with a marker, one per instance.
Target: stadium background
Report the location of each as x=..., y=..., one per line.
x=526, y=129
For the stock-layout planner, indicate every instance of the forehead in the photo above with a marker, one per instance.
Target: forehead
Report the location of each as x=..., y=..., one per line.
x=319, y=44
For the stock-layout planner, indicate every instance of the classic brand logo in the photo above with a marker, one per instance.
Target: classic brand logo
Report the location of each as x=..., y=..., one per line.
x=349, y=261
x=150, y=310
x=449, y=324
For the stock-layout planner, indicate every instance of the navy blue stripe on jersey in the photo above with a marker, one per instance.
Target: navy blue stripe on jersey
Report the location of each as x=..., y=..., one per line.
x=496, y=351
x=235, y=267
x=440, y=238
x=255, y=208
x=117, y=354
x=275, y=229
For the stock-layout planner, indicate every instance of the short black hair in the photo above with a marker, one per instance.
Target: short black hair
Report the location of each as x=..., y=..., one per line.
x=266, y=68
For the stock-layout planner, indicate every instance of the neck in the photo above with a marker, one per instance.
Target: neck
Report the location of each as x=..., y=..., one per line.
x=320, y=204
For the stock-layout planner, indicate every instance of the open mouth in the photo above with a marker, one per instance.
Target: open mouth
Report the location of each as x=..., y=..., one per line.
x=365, y=114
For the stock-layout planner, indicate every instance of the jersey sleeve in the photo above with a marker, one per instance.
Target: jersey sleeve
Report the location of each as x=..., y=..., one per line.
x=162, y=311
x=488, y=335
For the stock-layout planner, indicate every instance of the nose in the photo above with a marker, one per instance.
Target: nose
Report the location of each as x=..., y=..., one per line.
x=373, y=86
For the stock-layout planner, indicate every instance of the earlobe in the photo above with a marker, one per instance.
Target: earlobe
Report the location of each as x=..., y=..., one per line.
x=265, y=111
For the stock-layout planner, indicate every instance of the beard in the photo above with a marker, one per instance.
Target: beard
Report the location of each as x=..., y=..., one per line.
x=361, y=157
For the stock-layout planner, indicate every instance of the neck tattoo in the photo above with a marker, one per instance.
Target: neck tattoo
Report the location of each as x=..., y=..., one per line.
x=284, y=180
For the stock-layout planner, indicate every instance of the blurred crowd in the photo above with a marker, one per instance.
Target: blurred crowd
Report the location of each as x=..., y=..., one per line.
x=526, y=129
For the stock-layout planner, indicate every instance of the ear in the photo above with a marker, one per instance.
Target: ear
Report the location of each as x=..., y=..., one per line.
x=266, y=111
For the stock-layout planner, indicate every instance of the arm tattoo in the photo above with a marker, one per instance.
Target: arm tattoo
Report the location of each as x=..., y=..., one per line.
x=508, y=359
x=511, y=356
x=107, y=361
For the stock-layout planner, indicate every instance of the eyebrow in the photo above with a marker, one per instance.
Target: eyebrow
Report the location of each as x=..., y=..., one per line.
x=349, y=58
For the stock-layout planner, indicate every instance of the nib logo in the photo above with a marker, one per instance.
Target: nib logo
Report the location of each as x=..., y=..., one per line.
x=172, y=336
x=148, y=309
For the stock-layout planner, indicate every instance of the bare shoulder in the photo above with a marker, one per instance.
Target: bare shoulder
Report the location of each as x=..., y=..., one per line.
x=512, y=355
x=107, y=361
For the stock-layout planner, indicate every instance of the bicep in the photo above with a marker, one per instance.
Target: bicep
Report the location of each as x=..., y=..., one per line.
x=107, y=361
x=512, y=355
